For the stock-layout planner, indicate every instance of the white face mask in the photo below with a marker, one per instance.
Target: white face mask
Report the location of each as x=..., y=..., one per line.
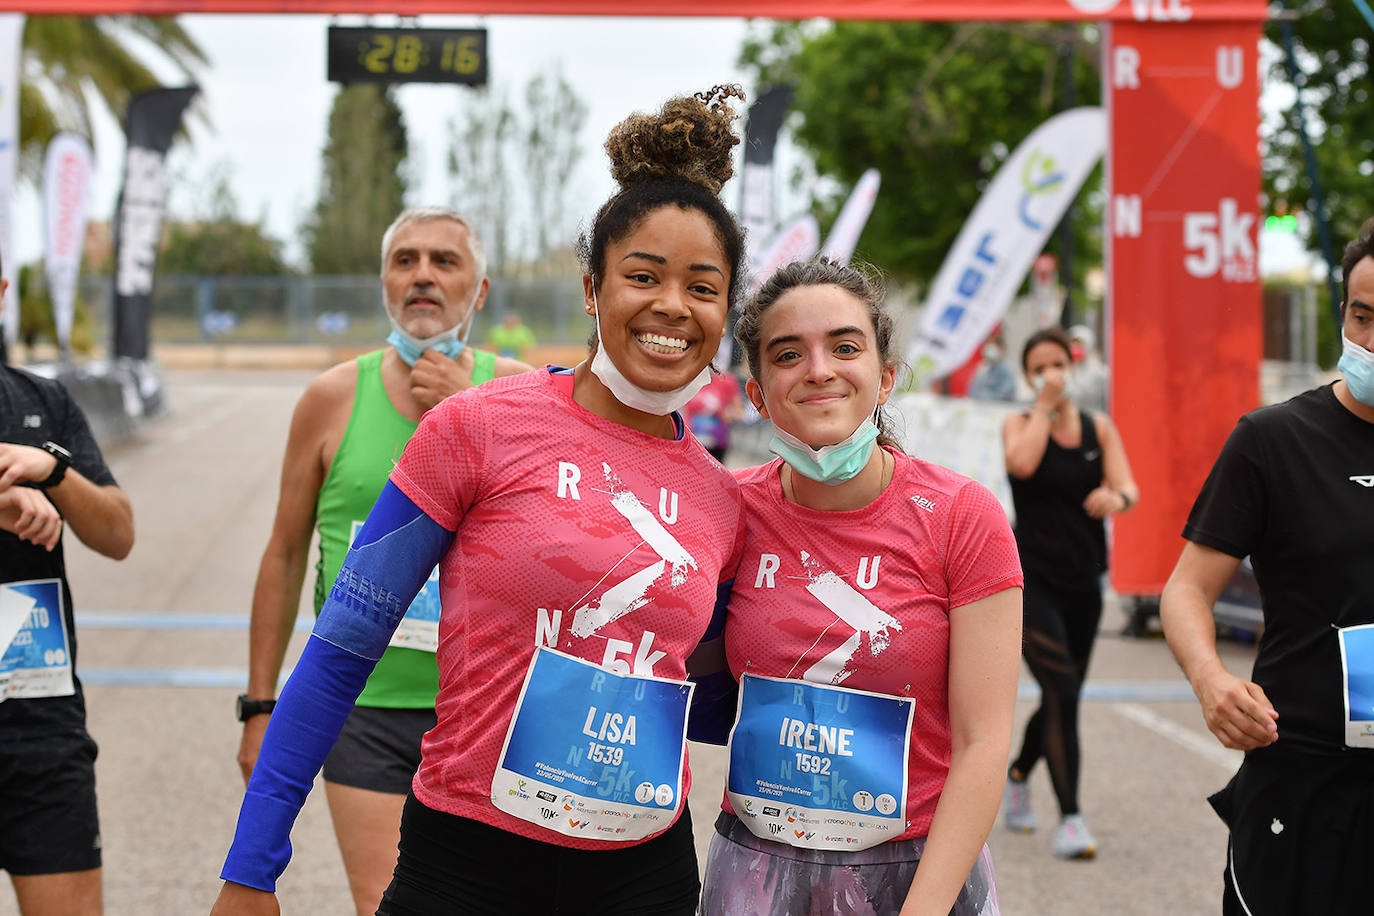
x=1070, y=385
x=659, y=403
x=450, y=342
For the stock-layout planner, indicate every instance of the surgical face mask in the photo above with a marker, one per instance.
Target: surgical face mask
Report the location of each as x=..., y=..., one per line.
x=1357, y=365
x=1070, y=384
x=992, y=353
x=450, y=343
x=659, y=403
x=829, y=464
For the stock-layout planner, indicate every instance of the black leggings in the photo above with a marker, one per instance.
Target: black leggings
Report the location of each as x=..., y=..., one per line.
x=1059, y=628
x=451, y=865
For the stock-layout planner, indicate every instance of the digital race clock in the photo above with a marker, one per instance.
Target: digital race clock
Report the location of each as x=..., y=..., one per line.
x=390, y=55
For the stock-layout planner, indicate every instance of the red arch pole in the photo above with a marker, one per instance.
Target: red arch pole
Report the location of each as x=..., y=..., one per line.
x=1185, y=314
x=1176, y=11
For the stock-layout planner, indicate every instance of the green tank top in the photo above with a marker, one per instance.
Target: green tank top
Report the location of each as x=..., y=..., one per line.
x=371, y=445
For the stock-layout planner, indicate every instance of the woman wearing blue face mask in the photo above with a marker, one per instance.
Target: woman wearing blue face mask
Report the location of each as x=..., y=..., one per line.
x=874, y=629
x=1068, y=472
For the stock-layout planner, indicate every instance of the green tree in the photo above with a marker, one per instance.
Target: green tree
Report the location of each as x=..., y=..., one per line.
x=219, y=243
x=1332, y=43
x=936, y=107
x=64, y=57
x=364, y=182
x=512, y=170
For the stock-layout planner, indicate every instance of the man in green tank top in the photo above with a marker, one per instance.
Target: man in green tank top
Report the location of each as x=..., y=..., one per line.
x=348, y=429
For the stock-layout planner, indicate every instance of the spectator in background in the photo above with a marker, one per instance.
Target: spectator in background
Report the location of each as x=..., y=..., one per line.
x=511, y=338
x=1089, y=371
x=994, y=380
x=1068, y=472
x=710, y=413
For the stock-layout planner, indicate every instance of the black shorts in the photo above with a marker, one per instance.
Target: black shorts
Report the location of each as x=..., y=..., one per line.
x=455, y=865
x=379, y=749
x=48, y=822
x=1302, y=833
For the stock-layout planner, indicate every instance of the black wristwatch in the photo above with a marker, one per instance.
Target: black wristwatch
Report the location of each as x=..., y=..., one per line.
x=247, y=708
x=64, y=461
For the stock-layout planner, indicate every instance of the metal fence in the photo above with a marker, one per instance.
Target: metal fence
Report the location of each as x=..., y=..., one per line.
x=324, y=309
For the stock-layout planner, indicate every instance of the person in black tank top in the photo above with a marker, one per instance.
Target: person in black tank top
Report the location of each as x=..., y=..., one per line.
x=1068, y=472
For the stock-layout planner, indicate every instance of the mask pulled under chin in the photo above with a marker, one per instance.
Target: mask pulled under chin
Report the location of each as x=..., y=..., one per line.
x=411, y=348
x=1357, y=365
x=829, y=464
x=658, y=403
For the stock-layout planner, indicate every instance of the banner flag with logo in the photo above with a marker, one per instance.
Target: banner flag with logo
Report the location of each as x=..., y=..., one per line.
x=11, y=34
x=66, y=190
x=1001, y=238
x=797, y=241
x=756, y=177
x=849, y=225
x=153, y=119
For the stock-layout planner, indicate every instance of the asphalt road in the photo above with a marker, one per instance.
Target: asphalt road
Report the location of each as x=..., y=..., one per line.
x=163, y=651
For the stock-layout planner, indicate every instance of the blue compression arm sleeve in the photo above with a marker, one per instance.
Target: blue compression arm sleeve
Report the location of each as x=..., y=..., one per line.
x=388, y=564
x=716, y=696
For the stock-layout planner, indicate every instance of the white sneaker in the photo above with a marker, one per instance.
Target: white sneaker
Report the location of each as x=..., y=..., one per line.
x=1073, y=840
x=1016, y=807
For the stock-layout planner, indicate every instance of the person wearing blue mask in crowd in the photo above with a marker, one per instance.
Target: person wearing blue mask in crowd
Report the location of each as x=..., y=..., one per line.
x=349, y=427
x=1293, y=488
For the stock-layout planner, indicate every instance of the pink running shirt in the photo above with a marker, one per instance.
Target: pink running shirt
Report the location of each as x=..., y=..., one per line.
x=934, y=540
x=549, y=503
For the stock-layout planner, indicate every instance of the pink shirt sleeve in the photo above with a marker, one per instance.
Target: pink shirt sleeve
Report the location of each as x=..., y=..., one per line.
x=981, y=550
x=442, y=467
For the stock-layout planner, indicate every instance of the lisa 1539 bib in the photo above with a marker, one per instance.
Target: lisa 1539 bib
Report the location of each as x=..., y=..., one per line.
x=591, y=753
x=817, y=766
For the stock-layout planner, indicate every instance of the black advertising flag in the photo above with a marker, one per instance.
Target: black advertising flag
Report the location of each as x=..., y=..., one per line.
x=153, y=120
x=760, y=139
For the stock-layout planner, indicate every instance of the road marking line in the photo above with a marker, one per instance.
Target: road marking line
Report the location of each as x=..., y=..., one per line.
x=1205, y=746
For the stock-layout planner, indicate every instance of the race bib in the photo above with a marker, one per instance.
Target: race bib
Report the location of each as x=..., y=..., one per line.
x=37, y=658
x=419, y=627
x=819, y=767
x=1357, y=670
x=591, y=753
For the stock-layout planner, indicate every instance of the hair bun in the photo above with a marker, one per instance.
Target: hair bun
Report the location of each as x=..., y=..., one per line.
x=690, y=139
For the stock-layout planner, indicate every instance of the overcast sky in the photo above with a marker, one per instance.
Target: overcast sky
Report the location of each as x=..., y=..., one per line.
x=267, y=102
x=265, y=105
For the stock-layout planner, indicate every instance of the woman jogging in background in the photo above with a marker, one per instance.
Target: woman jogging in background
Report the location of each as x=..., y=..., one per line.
x=1068, y=472
x=581, y=535
x=874, y=628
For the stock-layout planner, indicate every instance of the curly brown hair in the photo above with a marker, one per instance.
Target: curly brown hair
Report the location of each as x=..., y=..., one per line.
x=689, y=139
x=679, y=157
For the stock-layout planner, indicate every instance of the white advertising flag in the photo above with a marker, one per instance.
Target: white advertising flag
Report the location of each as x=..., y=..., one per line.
x=11, y=32
x=66, y=189
x=1001, y=238
x=797, y=241
x=849, y=225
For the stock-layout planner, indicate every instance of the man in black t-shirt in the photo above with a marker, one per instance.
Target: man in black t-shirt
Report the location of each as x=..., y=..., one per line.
x=1293, y=488
x=51, y=475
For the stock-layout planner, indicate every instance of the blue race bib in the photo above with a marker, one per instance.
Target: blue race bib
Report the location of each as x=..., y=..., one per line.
x=1357, y=669
x=591, y=753
x=36, y=658
x=819, y=767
